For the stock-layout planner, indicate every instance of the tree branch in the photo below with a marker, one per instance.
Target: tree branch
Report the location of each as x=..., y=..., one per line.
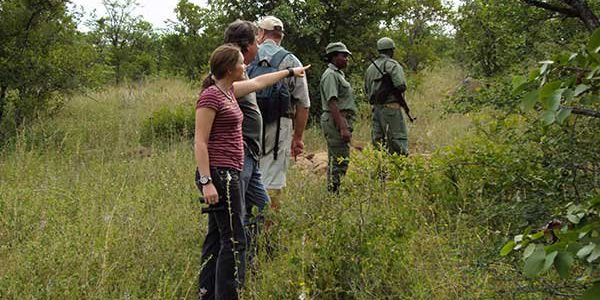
x=562, y=10
x=583, y=111
x=576, y=9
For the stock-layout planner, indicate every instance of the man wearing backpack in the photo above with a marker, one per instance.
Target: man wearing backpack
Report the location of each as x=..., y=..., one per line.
x=388, y=126
x=243, y=34
x=285, y=135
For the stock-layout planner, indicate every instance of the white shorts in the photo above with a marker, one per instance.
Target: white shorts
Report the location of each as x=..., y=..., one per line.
x=274, y=171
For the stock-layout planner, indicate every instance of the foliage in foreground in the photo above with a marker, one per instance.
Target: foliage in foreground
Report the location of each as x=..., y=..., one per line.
x=398, y=219
x=560, y=87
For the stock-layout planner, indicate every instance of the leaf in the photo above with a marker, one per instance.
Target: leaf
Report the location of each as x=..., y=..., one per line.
x=563, y=114
x=592, y=73
x=544, y=68
x=552, y=102
x=549, y=88
x=580, y=89
x=573, y=219
x=536, y=235
x=519, y=83
x=508, y=247
x=592, y=293
x=529, y=100
x=563, y=263
x=585, y=251
x=526, y=231
x=595, y=56
x=573, y=55
x=528, y=251
x=549, y=261
x=595, y=254
x=562, y=58
x=556, y=247
x=535, y=263
x=585, y=230
x=518, y=238
x=548, y=117
x=533, y=75
x=594, y=42
x=568, y=95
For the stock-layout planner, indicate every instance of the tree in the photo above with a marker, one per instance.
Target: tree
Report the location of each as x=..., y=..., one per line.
x=417, y=26
x=496, y=36
x=42, y=56
x=126, y=42
x=188, y=48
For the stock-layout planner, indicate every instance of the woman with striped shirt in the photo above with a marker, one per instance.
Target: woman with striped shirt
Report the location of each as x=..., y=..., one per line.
x=219, y=152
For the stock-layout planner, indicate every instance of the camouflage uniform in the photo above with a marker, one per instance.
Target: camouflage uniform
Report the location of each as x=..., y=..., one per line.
x=334, y=85
x=388, y=125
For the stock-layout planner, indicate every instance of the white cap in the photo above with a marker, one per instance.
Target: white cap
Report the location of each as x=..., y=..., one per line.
x=270, y=23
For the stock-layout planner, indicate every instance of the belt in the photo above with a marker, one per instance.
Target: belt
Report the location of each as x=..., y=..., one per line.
x=344, y=113
x=392, y=105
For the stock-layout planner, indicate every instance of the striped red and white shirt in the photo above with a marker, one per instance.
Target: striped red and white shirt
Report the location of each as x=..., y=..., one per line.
x=225, y=143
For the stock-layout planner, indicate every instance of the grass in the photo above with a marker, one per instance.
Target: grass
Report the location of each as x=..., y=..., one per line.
x=85, y=212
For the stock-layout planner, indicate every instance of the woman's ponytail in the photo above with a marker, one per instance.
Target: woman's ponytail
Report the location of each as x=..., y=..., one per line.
x=208, y=81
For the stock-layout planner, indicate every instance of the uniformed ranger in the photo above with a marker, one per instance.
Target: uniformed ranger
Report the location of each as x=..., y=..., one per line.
x=339, y=109
x=388, y=125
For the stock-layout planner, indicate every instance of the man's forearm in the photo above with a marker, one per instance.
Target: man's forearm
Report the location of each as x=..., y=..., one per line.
x=338, y=119
x=300, y=120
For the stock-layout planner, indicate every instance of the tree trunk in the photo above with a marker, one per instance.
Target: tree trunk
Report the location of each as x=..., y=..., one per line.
x=585, y=14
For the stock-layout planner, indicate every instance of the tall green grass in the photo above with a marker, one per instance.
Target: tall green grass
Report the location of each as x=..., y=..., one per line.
x=87, y=213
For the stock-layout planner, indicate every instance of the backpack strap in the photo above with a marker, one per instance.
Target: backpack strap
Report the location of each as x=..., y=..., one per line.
x=278, y=58
x=275, y=62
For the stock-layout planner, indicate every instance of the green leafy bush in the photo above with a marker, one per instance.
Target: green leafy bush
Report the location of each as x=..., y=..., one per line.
x=564, y=93
x=567, y=84
x=477, y=95
x=166, y=126
x=561, y=243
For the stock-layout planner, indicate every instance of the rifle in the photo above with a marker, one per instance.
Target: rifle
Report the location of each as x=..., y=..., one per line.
x=386, y=88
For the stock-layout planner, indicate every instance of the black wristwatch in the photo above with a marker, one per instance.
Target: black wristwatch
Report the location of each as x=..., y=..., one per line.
x=204, y=180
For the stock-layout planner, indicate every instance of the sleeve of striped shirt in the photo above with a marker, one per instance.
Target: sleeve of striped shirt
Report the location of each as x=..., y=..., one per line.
x=210, y=99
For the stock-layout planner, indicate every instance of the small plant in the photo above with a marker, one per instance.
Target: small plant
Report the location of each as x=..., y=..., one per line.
x=167, y=125
x=562, y=243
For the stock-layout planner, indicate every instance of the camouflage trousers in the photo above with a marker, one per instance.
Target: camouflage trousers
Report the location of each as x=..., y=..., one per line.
x=338, y=151
x=389, y=130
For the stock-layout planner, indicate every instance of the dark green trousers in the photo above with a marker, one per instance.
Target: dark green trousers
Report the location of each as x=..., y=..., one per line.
x=338, y=151
x=389, y=129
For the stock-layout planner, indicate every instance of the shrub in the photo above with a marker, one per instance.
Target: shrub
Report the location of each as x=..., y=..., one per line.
x=167, y=126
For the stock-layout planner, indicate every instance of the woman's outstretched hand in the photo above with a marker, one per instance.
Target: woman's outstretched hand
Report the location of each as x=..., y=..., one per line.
x=300, y=71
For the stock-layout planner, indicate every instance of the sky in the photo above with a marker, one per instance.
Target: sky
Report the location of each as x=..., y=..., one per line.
x=153, y=11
